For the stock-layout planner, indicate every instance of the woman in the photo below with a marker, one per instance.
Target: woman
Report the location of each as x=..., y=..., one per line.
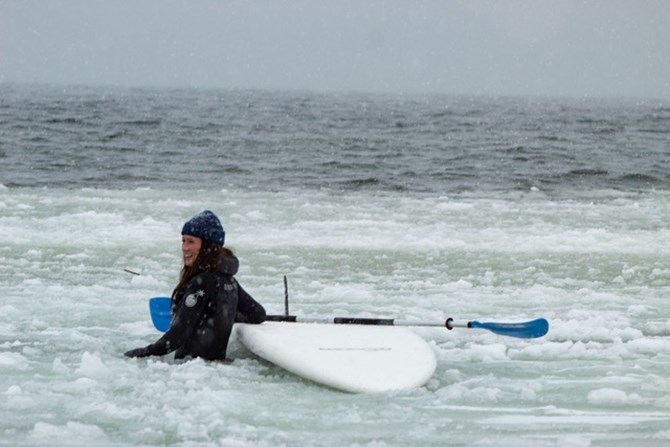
x=207, y=300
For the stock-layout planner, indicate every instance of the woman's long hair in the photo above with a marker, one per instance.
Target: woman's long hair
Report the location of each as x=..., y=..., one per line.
x=209, y=258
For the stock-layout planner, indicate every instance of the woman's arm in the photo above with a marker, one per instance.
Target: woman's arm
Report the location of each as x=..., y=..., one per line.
x=248, y=309
x=197, y=294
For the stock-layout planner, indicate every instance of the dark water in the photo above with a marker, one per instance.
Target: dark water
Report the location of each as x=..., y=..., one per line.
x=125, y=138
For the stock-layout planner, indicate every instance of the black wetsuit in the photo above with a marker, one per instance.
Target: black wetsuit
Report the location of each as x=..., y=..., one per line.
x=203, y=320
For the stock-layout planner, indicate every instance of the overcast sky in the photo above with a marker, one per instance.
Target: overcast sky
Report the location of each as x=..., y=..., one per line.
x=508, y=47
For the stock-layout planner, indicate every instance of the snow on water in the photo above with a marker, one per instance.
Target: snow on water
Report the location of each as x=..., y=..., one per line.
x=597, y=268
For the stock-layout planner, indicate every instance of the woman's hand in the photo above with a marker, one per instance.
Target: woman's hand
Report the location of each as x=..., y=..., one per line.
x=137, y=352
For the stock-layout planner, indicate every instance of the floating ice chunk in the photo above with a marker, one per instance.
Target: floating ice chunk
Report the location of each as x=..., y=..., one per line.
x=13, y=390
x=613, y=397
x=649, y=346
x=18, y=401
x=72, y=433
x=59, y=367
x=8, y=310
x=146, y=281
x=12, y=359
x=92, y=366
x=488, y=353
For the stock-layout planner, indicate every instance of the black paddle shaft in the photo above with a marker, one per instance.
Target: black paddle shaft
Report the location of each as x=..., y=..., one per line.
x=449, y=323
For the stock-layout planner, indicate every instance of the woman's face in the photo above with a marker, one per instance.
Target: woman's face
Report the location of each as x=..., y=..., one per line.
x=190, y=247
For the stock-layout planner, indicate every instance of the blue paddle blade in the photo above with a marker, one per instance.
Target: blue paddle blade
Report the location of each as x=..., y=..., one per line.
x=159, y=307
x=529, y=329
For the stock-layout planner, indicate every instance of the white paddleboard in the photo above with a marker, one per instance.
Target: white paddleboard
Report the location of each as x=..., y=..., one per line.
x=357, y=359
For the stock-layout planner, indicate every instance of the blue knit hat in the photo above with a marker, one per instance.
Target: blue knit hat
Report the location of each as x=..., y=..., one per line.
x=206, y=226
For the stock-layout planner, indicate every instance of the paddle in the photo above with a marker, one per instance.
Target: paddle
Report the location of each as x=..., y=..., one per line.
x=159, y=307
x=160, y=316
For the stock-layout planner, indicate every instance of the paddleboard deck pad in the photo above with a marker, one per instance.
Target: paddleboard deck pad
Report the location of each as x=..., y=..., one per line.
x=356, y=359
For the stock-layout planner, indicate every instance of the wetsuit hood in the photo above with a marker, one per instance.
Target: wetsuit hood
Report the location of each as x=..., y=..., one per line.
x=229, y=265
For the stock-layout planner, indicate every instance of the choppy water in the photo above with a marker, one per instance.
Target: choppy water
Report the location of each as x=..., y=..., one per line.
x=494, y=209
x=272, y=140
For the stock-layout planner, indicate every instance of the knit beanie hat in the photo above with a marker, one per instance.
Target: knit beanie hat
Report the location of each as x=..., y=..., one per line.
x=206, y=226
